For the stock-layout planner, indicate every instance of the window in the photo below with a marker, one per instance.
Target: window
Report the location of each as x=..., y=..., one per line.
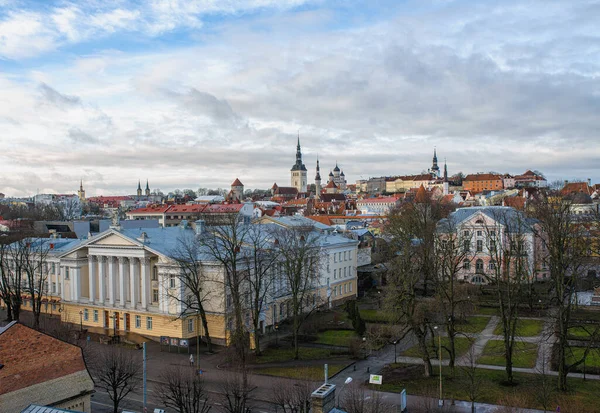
x=479, y=245
x=281, y=309
x=467, y=245
x=334, y=274
x=334, y=291
x=172, y=282
x=148, y=323
x=492, y=245
x=350, y=287
x=334, y=257
x=95, y=316
x=328, y=281
x=345, y=288
x=345, y=258
x=465, y=233
x=493, y=234
x=86, y=314
x=479, y=266
x=53, y=287
x=155, y=273
x=466, y=265
x=154, y=295
x=66, y=273
x=345, y=272
x=492, y=265
x=340, y=256
x=53, y=268
x=190, y=325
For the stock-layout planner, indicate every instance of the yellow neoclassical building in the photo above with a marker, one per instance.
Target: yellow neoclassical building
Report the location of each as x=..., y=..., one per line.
x=125, y=280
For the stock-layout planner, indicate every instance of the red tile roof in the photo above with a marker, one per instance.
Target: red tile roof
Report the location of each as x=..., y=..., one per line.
x=237, y=182
x=31, y=357
x=152, y=209
x=482, y=177
x=222, y=208
x=574, y=187
x=382, y=200
x=194, y=208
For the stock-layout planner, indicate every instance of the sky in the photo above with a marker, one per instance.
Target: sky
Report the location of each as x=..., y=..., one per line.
x=196, y=93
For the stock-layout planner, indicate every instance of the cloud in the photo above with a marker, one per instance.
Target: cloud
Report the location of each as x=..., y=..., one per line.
x=507, y=87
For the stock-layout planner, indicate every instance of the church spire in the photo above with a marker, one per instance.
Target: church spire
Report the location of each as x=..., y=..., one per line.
x=445, y=171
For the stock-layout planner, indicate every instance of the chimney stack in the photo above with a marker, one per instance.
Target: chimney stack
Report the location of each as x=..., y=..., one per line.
x=323, y=399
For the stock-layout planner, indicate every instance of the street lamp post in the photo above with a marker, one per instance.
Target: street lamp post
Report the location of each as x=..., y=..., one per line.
x=276, y=335
x=80, y=321
x=394, y=343
x=441, y=400
x=347, y=381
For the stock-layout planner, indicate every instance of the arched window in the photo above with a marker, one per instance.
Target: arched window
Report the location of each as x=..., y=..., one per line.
x=479, y=266
x=466, y=265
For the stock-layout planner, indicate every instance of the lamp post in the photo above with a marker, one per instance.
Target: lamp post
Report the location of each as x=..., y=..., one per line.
x=394, y=343
x=441, y=400
x=80, y=320
x=347, y=381
x=276, y=335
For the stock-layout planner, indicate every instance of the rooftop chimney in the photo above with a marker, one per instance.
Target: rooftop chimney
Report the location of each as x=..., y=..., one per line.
x=323, y=399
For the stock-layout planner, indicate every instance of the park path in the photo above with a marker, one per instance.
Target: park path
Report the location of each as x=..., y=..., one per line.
x=486, y=335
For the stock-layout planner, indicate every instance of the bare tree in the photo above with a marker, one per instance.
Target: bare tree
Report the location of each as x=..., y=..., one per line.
x=261, y=260
x=292, y=396
x=184, y=391
x=565, y=238
x=6, y=291
x=454, y=296
x=469, y=370
x=299, y=249
x=224, y=240
x=35, y=268
x=358, y=400
x=236, y=390
x=13, y=275
x=192, y=276
x=118, y=373
x=510, y=244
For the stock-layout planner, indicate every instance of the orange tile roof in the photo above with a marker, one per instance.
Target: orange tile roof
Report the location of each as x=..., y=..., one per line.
x=31, y=357
x=152, y=209
x=482, y=177
x=237, y=182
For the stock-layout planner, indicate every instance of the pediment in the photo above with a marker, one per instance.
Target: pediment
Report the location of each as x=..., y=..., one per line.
x=114, y=239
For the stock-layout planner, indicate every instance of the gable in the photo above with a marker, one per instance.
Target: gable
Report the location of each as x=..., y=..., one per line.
x=114, y=239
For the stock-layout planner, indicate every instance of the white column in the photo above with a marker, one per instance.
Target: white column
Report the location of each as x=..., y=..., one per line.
x=145, y=273
x=92, y=277
x=111, y=280
x=122, y=261
x=71, y=282
x=61, y=270
x=133, y=281
x=49, y=275
x=101, y=279
x=76, y=283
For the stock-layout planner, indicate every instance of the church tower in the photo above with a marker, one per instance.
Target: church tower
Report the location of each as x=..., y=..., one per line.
x=435, y=169
x=81, y=192
x=139, y=190
x=318, y=181
x=298, y=171
x=446, y=183
x=147, y=188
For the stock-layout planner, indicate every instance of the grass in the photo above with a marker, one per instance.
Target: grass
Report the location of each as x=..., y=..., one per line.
x=582, y=399
x=524, y=355
x=473, y=325
x=461, y=343
x=340, y=338
x=276, y=355
x=582, y=332
x=592, y=359
x=487, y=310
x=525, y=328
x=375, y=316
x=312, y=373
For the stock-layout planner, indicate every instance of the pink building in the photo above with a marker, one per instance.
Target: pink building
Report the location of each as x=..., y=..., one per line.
x=495, y=240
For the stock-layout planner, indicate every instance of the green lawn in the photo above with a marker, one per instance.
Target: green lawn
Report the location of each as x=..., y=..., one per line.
x=582, y=399
x=336, y=337
x=524, y=355
x=487, y=310
x=525, y=328
x=312, y=373
x=374, y=316
x=473, y=325
x=581, y=332
x=592, y=359
x=275, y=355
x=462, y=346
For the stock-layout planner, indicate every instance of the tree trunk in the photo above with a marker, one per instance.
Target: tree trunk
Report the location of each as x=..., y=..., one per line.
x=562, y=365
x=452, y=353
x=9, y=313
x=205, y=324
x=422, y=339
x=16, y=310
x=256, y=339
x=509, y=363
x=296, y=322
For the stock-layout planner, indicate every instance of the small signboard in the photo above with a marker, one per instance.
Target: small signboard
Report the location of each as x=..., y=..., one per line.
x=183, y=343
x=174, y=341
x=403, y=401
x=375, y=379
x=164, y=340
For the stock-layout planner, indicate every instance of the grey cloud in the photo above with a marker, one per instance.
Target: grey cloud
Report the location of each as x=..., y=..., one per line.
x=50, y=95
x=79, y=136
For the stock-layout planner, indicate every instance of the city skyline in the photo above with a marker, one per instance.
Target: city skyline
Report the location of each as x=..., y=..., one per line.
x=200, y=93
